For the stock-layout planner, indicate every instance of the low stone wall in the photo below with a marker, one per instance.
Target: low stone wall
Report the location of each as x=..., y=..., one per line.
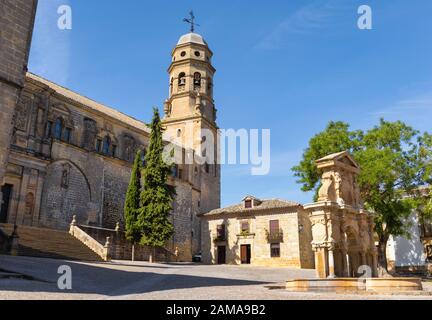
x=101, y=250
x=121, y=248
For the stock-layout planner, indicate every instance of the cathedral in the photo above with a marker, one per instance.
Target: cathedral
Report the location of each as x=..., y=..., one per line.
x=71, y=156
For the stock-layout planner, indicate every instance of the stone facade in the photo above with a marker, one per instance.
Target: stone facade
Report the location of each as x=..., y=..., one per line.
x=16, y=28
x=342, y=231
x=258, y=232
x=71, y=156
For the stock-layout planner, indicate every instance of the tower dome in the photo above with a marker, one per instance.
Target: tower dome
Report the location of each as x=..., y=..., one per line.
x=192, y=38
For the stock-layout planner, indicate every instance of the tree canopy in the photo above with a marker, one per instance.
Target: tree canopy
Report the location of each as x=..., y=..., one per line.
x=157, y=195
x=395, y=162
x=132, y=203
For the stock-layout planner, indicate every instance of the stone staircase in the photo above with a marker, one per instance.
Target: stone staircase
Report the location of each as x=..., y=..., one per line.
x=47, y=243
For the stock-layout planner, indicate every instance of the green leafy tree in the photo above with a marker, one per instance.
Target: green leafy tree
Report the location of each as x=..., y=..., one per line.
x=132, y=204
x=157, y=195
x=392, y=163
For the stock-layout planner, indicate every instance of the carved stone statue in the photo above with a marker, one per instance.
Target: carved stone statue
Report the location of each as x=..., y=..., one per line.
x=338, y=188
x=326, y=192
x=357, y=195
x=167, y=108
x=198, y=104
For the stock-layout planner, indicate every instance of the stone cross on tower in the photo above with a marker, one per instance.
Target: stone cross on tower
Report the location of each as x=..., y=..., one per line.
x=191, y=21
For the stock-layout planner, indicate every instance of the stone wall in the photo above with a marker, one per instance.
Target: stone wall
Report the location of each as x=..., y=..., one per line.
x=55, y=178
x=16, y=28
x=307, y=258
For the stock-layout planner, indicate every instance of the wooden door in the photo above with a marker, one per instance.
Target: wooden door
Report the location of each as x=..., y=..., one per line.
x=7, y=192
x=221, y=255
x=245, y=253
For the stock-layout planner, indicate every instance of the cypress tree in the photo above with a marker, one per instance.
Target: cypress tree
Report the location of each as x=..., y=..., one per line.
x=157, y=195
x=132, y=204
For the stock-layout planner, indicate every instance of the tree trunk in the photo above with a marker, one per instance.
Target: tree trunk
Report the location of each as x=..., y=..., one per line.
x=382, y=257
x=133, y=252
x=151, y=256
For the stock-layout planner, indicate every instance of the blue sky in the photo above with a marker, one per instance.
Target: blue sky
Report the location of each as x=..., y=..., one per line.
x=289, y=66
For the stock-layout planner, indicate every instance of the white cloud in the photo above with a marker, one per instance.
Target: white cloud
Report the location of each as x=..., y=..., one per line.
x=308, y=19
x=51, y=47
x=415, y=110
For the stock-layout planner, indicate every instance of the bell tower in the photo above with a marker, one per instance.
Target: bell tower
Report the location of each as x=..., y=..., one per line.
x=190, y=113
x=190, y=106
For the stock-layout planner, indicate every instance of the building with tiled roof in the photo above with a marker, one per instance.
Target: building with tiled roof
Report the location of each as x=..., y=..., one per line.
x=271, y=232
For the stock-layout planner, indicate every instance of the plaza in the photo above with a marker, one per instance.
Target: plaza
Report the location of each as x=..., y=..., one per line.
x=143, y=281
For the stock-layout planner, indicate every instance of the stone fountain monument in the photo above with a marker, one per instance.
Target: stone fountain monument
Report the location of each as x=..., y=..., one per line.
x=343, y=235
x=342, y=231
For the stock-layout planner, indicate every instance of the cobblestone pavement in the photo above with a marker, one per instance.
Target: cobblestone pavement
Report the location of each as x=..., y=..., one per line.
x=140, y=280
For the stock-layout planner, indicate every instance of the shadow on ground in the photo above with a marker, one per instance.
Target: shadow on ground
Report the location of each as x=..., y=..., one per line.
x=103, y=280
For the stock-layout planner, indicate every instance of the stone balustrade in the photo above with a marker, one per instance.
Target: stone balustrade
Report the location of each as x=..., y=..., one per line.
x=102, y=250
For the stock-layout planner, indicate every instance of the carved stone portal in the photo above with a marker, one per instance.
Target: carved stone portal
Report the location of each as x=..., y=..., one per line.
x=342, y=231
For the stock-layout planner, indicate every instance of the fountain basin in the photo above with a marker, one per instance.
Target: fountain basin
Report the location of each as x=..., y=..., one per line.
x=355, y=284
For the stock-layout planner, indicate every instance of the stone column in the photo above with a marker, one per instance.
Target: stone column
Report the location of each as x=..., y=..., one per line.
x=331, y=263
x=38, y=198
x=363, y=258
x=374, y=264
x=345, y=263
x=321, y=265
x=22, y=196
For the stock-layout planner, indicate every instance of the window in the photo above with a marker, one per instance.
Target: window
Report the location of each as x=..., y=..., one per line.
x=207, y=167
x=221, y=231
x=244, y=227
x=275, y=234
x=98, y=145
x=183, y=53
x=197, y=80
x=275, y=250
x=48, y=129
x=113, y=151
x=197, y=54
x=179, y=132
x=182, y=79
x=106, y=145
x=248, y=204
x=174, y=171
x=274, y=226
x=67, y=135
x=58, y=129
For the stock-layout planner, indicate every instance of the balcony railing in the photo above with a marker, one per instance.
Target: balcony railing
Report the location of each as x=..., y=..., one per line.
x=219, y=238
x=274, y=236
